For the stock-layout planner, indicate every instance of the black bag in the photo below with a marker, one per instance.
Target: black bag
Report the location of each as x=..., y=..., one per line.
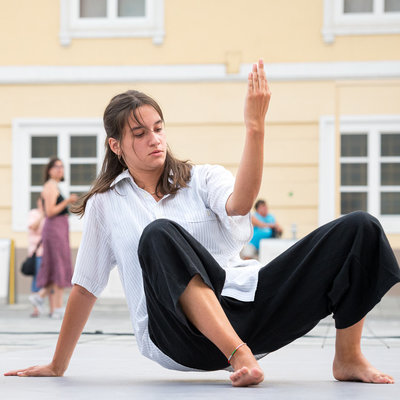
x=29, y=265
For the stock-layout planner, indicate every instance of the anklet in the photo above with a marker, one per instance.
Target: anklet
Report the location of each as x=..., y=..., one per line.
x=234, y=351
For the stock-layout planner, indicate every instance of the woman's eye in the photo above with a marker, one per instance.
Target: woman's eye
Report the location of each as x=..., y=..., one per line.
x=138, y=135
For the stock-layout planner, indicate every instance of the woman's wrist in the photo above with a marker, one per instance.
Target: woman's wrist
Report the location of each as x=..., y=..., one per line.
x=256, y=129
x=58, y=369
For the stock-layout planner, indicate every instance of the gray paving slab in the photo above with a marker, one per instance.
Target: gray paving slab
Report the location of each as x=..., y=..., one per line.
x=108, y=365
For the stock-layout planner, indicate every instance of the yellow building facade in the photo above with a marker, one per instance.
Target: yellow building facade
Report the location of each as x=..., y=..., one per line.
x=332, y=132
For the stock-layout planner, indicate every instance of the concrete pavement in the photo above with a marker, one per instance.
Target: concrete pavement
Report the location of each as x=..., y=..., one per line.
x=107, y=363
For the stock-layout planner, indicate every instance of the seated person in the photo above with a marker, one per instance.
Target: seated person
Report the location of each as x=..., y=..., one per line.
x=265, y=227
x=264, y=223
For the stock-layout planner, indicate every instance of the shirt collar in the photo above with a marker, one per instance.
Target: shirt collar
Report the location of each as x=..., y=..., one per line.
x=126, y=175
x=123, y=175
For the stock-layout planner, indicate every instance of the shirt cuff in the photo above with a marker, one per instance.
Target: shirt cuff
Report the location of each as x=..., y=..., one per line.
x=93, y=287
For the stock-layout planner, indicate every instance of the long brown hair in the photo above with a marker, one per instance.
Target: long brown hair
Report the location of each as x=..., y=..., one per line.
x=176, y=173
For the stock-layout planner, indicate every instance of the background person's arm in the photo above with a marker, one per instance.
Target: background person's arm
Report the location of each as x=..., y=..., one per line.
x=256, y=222
x=49, y=195
x=80, y=304
x=248, y=177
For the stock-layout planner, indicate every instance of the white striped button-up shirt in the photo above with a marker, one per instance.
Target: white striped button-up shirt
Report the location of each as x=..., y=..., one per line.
x=115, y=220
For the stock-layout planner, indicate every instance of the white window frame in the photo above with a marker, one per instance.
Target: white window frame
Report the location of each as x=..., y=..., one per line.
x=22, y=131
x=336, y=22
x=151, y=25
x=373, y=125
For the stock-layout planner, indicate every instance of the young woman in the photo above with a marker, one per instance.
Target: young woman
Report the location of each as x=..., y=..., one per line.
x=175, y=232
x=56, y=269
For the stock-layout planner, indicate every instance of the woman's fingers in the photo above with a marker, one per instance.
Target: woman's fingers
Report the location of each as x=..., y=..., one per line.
x=29, y=372
x=261, y=73
x=257, y=97
x=17, y=372
x=11, y=373
x=250, y=82
x=256, y=83
x=32, y=371
x=257, y=80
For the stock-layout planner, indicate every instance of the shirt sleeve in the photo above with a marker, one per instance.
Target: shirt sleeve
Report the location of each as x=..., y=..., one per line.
x=219, y=184
x=95, y=258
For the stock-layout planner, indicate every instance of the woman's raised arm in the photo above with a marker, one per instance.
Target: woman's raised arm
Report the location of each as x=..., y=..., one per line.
x=80, y=304
x=248, y=178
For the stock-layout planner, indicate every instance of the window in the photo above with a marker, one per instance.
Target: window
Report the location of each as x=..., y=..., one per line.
x=354, y=172
x=78, y=143
x=355, y=17
x=370, y=172
x=111, y=18
x=369, y=168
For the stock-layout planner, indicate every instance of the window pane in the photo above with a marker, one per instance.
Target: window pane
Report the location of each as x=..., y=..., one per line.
x=390, y=203
x=34, y=197
x=43, y=146
x=392, y=5
x=353, y=174
x=131, y=8
x=390, y=174
x=82, y=174
x=354, y=146
x=93, y=8
x=37, y=174
x=353, y=202
x=83, y=146
x=390, y=144
x=358, y=6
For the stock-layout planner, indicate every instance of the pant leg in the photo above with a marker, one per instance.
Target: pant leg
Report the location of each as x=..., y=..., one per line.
x=34, y=287
x=170, y=257
x=343, y=268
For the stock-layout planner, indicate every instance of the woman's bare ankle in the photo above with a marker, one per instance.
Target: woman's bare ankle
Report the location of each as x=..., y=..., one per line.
x=242, y=357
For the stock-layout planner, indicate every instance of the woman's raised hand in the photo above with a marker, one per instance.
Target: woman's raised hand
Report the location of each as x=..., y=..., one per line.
x=257, y=98
x=37, y=370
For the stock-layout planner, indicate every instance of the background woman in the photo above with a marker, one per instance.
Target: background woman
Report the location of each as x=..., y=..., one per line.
x=56, y=270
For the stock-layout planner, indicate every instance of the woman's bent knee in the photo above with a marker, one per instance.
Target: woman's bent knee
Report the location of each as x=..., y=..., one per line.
x=153, y=233
x=360, y=219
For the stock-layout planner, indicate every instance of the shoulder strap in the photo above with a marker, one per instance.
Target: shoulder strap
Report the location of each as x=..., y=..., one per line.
x=38, y=245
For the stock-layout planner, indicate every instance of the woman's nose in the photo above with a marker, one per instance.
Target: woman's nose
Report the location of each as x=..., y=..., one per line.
x=154, y=139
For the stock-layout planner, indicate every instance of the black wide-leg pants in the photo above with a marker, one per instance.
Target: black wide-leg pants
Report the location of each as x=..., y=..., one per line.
x=342, y=268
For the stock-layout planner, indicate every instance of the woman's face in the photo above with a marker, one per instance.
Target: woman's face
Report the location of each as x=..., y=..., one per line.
x=143, y=145
x=56, y=172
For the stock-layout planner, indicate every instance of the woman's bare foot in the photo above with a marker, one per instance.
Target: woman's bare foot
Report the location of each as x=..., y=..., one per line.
x=358, y=368
x=247, y=371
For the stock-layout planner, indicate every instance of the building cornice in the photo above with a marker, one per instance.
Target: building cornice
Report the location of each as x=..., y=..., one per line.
x=314, y=71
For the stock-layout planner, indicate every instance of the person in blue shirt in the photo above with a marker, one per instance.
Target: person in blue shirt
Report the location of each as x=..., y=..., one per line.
x=264, y=223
